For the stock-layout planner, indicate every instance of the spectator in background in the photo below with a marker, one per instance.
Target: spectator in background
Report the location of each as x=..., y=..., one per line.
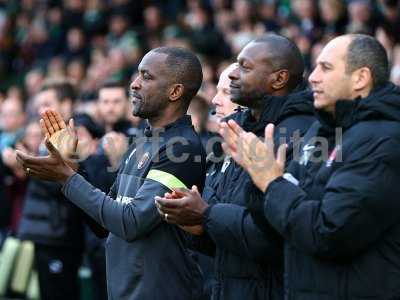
x=59, y=95
x=333, y=16
x=361, y=19
x=76, y=46
x=15, y=178
x=12, y=120
x=112, y=105
x=198, y=110
x=304, y=15
x=12, y=117
x=122, y=37
x=89, y=136
x=53, y=224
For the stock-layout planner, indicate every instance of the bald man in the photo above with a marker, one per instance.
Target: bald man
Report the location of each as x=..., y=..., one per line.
x=338, y=206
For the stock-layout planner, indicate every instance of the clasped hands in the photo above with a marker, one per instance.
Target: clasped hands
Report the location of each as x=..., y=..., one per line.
x=255, y=156
x=186, y=208
x=183, y=207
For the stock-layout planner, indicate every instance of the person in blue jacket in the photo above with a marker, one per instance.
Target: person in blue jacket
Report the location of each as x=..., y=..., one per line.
x=147, y=258
x=337, y=206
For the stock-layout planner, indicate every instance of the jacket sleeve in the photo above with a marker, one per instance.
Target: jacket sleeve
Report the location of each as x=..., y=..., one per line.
x=131, y=218
x=359, y=203
x=231, y=227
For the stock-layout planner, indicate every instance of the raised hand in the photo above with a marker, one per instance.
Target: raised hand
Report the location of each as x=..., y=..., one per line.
x=255, y=156
x=63, y=137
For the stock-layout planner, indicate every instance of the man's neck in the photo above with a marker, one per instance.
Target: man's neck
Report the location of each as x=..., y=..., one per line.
x=109, y=127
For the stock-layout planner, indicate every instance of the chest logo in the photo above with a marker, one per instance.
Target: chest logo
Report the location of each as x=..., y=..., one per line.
x=307, y=152
x=130, y=156
x=225, y=165
x=143, y=160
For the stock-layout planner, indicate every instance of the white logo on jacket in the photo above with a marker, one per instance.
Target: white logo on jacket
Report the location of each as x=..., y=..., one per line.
x=124, y=199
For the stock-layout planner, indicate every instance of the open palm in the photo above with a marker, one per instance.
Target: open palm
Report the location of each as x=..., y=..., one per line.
x=63, y=137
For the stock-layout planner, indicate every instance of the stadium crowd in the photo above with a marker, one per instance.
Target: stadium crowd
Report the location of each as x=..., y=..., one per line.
x=81, y=59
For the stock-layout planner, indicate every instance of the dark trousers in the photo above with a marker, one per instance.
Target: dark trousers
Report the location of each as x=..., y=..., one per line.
x=97, y=263
x=57, y=269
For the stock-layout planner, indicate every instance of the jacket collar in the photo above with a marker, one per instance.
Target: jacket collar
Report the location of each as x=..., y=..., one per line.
x=185, y=120
x=383, y=103
x=275, y=109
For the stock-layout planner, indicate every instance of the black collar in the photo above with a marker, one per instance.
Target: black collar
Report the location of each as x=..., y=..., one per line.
x=184, y=121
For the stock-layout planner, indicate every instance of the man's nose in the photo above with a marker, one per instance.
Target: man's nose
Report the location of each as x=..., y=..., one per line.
x=135, y=84
x=234, y=74
x=314, y=76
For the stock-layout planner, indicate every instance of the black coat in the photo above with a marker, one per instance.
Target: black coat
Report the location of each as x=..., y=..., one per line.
x=247, y=264
x=5, y=203
x=340, y=215
x=48, y=218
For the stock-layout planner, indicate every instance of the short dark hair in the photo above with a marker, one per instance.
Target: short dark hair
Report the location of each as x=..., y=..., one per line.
x=366, y=51
x=64, y=89
x=284, y=54
x=111, y=83
x=185, y=68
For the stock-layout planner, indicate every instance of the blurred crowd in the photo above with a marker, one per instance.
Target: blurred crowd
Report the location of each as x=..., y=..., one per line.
x=78, y=57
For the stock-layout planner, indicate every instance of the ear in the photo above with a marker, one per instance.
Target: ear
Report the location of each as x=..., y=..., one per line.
x=279, y=79
x=362, y=79
x=176, y=92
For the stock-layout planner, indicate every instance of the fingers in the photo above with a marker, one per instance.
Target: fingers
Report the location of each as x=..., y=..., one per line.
x=52, y=150
x=53, y=120
x=58, y=119
x=195, y=189
x=47, y=124
x=168, y=203
x=28, y=161
x=44, y=128
x=71, y=124
x=230, y=137
x=281, y=155
x=181, y=192
x=269, y=134
x=235, y=127
x=231, y=133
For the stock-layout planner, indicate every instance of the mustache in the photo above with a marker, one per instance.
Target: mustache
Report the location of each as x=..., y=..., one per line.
x=134, y=94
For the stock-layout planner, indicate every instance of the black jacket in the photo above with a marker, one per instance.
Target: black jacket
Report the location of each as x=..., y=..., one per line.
x=50, y=219
x=339, y=211
x=247, y=264
x=5, y=203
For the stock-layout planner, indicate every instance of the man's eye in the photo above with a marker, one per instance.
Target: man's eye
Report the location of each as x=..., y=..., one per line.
x=325, y=67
